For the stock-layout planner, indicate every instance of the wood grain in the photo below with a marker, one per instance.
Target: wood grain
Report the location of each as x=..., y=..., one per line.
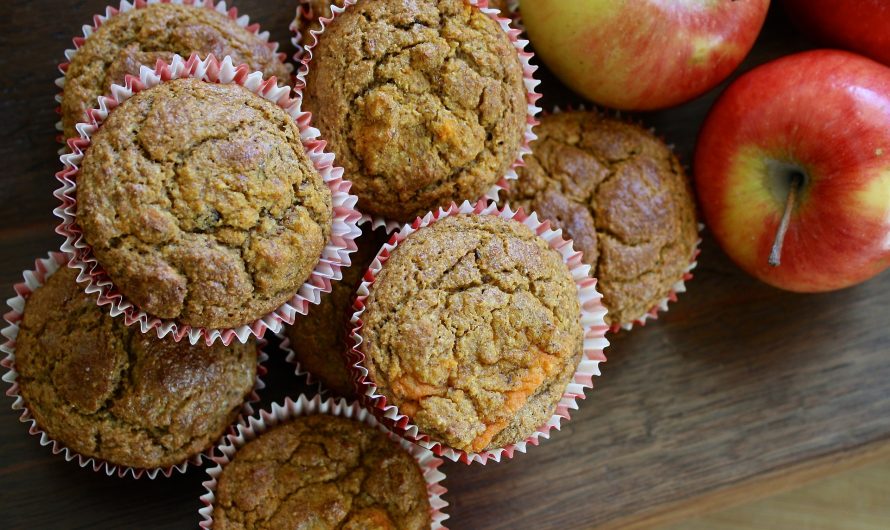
x=739, y=390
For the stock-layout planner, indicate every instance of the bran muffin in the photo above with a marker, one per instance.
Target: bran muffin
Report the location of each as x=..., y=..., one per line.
x=472, y=329
x=322, y=472
x=201, y=204
x=423, y=103
x=624, y=199
x=312, y=10
x=318, y=339
x=142, y=36
x=107, y=391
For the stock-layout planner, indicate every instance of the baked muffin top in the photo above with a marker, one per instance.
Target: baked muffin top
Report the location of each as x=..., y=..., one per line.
x=144, y=35
x=318, y=339
x=201, y=203
x=322, y=9
x=423, y=103
x=472, y=328
x=322, y=472
x=107, y=391
x=622, y=196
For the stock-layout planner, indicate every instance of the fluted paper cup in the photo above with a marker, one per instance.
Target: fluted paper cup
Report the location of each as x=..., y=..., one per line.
x=591, y=318
x=334, y=256
x=289, y=410
x=33, y=280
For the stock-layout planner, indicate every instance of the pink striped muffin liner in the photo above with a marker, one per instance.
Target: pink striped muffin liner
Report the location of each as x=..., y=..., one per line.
x=126, y=6
x=33, y=280
x=303, y=406
x=591, y=317
x=299, y=370
x=304, y=57
x=334, y=257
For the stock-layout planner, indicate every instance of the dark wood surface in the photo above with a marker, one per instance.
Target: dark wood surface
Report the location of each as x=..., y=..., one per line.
x=740, y=389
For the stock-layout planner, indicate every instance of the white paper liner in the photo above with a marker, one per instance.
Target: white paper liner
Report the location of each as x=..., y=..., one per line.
x=266, y=420
x=291, y=358
x=33, y=280
x=125, y=6
x=304, y=58
x=592, y=320
x=334, y=256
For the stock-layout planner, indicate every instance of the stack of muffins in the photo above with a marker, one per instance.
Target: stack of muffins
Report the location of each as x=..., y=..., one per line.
x=200, y=207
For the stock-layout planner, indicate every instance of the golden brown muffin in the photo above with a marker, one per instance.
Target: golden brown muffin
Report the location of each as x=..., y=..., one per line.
x=473, y=330
x=313, y=10
x=107, y=391
x=318, y=339
x=622, y=196
x=157, y=31
x=201, y=203
x=423, y=103
x=322, y=472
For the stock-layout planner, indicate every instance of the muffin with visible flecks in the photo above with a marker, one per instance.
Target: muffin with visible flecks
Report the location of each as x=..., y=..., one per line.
x=424, y=103
x=142, y=36
x=107, y=391
x=322, y=472
x=622, y=196
x=201, y=203
x=472, y=329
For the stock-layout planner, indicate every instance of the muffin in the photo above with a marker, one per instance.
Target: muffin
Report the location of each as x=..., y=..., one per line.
x=156, y=31
x=472, y=329
x=622, y=196
x=201, y=205
x=318, y=339
x=107, y=391
x=322, y=472
x=312, y=10
x=423, y=103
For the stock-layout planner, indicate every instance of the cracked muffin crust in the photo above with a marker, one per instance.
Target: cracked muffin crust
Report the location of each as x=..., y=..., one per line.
x=624, y=199
x=322, y=472
x=322, y=9
x=157, y=31
x=201, y=204
x=423, y=103
x=318, y=339
x=472, y=329
x=107, y=391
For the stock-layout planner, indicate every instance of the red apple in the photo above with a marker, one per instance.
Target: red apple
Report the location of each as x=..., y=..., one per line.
x=859, y=25
x=817, y=123
x=642, y=54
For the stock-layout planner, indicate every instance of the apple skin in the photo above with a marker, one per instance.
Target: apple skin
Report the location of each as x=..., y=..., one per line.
x=862, y=26
x=642, y=54
x=827, y=113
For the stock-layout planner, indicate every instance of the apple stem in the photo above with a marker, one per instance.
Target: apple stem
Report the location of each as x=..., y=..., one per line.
x=775, y=256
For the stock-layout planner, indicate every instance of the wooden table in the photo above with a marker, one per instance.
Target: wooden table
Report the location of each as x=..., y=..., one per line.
x=738, y=391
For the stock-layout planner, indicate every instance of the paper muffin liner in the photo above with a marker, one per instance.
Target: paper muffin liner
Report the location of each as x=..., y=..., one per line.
x=591, y=317
x=304, y=58
x=33, y=280
x=334, y=256
x=278, y=414
x=129, y=5
x=299, y=370
x=679, y=286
